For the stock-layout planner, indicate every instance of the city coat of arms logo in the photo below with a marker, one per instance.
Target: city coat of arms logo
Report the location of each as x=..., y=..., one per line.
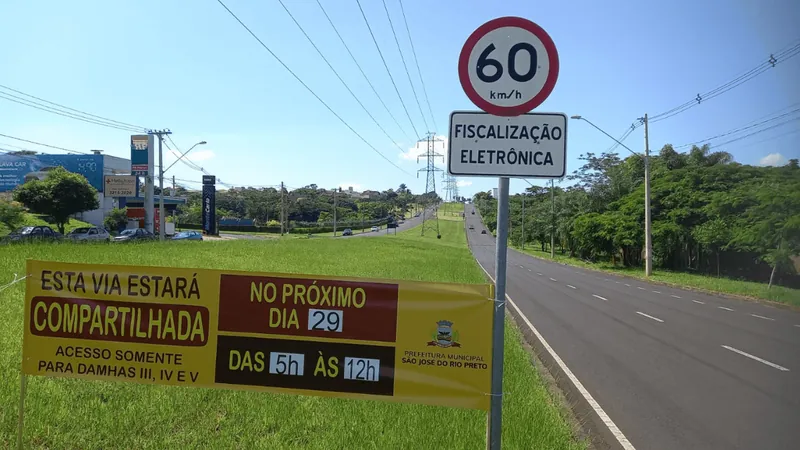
x=444, y=336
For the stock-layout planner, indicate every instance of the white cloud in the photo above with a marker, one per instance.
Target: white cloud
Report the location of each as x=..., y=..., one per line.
x=463, y=183
x=773, y=159
x=200, y=155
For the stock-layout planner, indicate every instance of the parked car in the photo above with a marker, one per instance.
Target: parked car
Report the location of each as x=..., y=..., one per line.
x=84, y=234
x=134, y=234
x=347, y=232
x=188, y=236
x=471, y=227
x=34, y=233
x=483, y=231
x=473, y=212
x=374, y=228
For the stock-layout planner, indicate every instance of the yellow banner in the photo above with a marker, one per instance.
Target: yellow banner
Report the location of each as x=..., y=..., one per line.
x=415, y=342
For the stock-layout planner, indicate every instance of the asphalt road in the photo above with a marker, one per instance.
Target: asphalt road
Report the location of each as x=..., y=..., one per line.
x=407, y=224
x=672, y=368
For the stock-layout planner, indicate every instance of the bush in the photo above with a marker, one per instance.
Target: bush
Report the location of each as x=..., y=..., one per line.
x=116, y=220
x=12, y=214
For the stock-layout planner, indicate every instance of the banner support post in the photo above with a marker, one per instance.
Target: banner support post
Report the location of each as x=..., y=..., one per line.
x=23, y=386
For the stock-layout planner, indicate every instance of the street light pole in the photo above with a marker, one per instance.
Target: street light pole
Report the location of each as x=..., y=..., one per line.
x=161, y=170
x=184, y=154
x=648, y=230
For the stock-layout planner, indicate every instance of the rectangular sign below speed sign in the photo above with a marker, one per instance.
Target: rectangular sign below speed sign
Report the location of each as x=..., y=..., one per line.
x=532, y=145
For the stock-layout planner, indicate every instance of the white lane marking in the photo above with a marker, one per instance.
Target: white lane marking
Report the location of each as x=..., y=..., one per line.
x=674, y=296
x=537, y=273
x=521, y=267
x=571, y=286
x=763, y=361
x=618, y=282
x=657, y=292
x=698, y=301
x=601, y=298
x=529, y=270
x=798, y=326
x=606, y=279
x=762, y=317
x=553, y=279
x=623, y=441
x=649, y=316
x=639, y=287
x=726, y=309
x=626, y=284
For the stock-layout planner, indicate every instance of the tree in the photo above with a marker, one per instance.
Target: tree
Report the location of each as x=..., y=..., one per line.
x=11, y=214
x=116, y=219
x=59, y=196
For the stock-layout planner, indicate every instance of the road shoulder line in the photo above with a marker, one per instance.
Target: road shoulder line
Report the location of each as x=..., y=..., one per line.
x=575, y=391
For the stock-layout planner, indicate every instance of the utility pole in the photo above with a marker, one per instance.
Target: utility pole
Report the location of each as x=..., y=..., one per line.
x=334, y=211
x=648, y=237
x=430, y=182
x=161, y=218
x=282, y=208
x=552, y=219
x=149, y=191
x=173, y=182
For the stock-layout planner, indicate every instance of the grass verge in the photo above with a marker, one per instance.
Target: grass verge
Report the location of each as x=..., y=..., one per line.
x=73, y=414
x=778, y=294
x=33, y=220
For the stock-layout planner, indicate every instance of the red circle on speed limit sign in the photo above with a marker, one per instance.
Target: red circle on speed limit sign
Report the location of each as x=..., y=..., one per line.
x=508, y=66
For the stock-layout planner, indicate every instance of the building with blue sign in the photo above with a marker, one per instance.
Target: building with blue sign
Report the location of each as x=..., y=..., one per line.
x=16, y=169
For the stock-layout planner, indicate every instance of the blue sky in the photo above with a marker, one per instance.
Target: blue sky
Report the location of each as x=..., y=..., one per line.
x=188, y=66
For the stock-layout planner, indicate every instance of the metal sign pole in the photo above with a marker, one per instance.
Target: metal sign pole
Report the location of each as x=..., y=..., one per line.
x=496, y=405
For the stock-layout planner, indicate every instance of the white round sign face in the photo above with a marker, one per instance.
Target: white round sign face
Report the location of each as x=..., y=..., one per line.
x=508, y=66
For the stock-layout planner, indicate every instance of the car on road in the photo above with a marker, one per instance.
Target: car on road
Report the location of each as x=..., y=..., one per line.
x=471, y=227
x=374, y=229
x=85, y=234
x=347, y=232
x=34, y=233
x=473, y=213
x=135, y=234
x=483, y=231
x=188, y=236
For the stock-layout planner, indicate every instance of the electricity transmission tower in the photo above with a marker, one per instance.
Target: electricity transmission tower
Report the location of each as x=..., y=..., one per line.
x=450, y=189
x=430, y=219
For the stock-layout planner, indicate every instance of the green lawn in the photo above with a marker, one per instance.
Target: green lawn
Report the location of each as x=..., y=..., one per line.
x=31, y=219
x=708, y=283
x=72, y=414
x=451, y=209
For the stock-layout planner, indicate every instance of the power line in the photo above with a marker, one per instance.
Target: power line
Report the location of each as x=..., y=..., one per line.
x=44, y=145
x=756, y=132
x=386, y=66
x=774, y=59
x=307, y=87
x=622, y=138
x=362, y=70
x=405, y=66
x=416, y=61
x=177, y=154
x=740, y=129
x=337, y=75
x=137, y=127
x=31, y=104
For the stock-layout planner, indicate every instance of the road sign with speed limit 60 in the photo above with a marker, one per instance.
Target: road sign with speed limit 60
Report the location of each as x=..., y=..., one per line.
x=508, y=66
